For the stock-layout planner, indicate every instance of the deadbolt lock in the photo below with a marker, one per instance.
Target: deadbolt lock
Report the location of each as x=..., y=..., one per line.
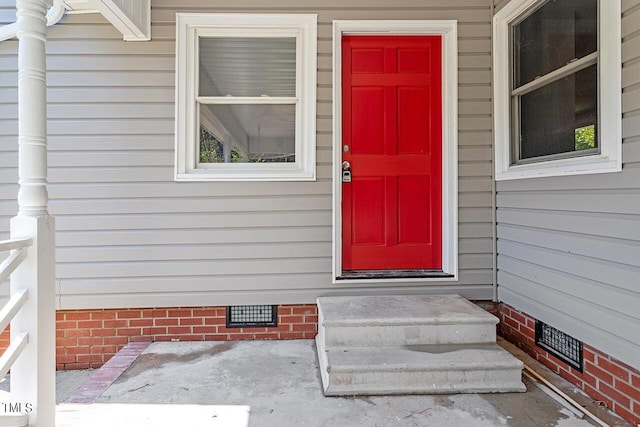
x=346, y=171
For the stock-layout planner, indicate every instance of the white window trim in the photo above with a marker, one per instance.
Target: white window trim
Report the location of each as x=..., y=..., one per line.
x=188, y=27
x=609, y=95
x=448, y=30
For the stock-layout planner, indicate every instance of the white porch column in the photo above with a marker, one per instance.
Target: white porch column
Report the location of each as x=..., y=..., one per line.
x=33, y=374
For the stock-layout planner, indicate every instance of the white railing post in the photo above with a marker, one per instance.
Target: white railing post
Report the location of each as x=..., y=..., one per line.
x=33, y=374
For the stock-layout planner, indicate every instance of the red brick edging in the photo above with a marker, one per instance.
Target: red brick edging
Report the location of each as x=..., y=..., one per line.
x=101, y=379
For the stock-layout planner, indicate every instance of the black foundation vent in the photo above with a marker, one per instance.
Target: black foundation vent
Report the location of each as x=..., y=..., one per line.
x=243, y=316
x=561, y=345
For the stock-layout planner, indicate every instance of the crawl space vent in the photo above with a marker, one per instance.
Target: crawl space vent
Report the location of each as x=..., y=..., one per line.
x=561, y=345
x=239, y=316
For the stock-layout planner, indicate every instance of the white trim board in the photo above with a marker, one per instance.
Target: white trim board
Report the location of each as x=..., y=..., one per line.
x=448, y=30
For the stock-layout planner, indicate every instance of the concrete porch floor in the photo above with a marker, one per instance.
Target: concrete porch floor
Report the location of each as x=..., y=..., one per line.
x=278, y=384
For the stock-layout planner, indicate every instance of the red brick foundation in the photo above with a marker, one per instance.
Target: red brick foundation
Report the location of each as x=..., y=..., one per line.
x=605, y=379
x=89, y=338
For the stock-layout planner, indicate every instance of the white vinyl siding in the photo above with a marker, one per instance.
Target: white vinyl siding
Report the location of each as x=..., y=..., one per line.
x=128, y=235
x=499, y=4
x=569, y=247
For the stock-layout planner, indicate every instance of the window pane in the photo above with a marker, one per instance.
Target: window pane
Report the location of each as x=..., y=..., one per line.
x=212, y=149
x=553, y=118
x=552, y=36
x=247, y=133
x=247, y=66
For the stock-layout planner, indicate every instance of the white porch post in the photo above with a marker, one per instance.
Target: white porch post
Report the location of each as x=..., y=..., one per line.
x=33, y=374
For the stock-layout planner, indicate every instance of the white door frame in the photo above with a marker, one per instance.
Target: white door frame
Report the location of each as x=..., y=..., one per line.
x=448, y=30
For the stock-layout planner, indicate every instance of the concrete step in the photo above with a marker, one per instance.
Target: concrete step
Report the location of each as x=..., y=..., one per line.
x=403, y=320
x=419, y=369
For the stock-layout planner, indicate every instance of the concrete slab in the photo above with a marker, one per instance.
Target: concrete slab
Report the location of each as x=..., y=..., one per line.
x=66, y=382
x=279, y=381
x=127, y=415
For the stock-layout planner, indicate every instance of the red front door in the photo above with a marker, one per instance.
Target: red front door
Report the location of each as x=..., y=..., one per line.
x=392, y=141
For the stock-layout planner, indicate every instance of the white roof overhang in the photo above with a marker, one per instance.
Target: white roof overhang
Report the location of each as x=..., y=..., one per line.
x=131, y=18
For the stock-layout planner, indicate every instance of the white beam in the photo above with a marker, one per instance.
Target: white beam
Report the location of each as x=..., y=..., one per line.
x=131, y=18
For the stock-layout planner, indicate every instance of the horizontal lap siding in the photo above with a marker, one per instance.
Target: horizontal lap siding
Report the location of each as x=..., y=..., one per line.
x=498, y=4
x=129, y=235
x=569, y=247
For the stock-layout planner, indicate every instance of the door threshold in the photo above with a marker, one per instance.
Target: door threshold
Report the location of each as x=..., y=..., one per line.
x=392, y=274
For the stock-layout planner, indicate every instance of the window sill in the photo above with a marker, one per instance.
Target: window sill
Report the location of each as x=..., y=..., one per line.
x=561, y=167
x=243, y=176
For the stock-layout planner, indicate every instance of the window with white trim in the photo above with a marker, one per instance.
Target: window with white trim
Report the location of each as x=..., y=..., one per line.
x=557, y=88
x=246, y=97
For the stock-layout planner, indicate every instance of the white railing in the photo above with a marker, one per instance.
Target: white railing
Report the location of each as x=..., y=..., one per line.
x=17, y=253
x=30, y=309
x=18, y=250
